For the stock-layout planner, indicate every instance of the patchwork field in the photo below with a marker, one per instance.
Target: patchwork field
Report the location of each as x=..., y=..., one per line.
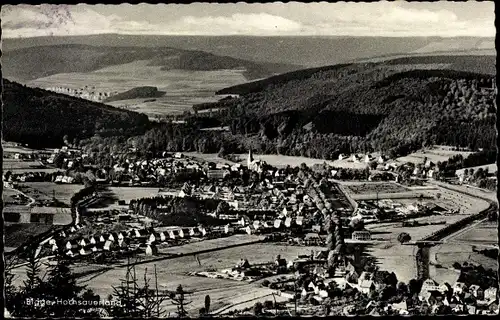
x=183, y=88
x=43, y=191
x=435, y=155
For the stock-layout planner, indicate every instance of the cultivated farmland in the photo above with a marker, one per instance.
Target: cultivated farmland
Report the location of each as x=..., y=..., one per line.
x=183, y=88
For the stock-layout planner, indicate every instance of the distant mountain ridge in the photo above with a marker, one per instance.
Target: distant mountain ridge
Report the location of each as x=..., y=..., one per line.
x=308, y=51
x=36, y=62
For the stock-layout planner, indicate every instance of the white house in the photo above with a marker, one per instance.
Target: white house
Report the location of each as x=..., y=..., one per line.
x=151, y=249
x=69, y=245
x=366, y=286
x=108, y=245
x=490, y=294
x=277, y=223
x=228, y=229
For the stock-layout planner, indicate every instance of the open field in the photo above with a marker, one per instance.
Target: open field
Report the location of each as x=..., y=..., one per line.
x=175, y=271
x=13, y=164
x=396, y=258
x=435, y=155
x=389, y=231
x=393, y=256
x=492, y=168
x=283, y=161
x=21, y=166
x=183, y=88
x=475, y=192
x=43, y=191
x=8, y=195
x=17, y=149
x=131, y=193
x=223, y=292
x=459, y=246
x=210, y=157
x=483, y=233
x=279, y=160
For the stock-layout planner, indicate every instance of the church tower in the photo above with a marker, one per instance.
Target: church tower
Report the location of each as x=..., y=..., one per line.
x=250, y=158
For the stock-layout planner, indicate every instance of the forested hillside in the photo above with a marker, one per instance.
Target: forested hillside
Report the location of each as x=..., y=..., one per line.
x=394, y=106
x=45, y=119
x=352, y=108
x=42, y=61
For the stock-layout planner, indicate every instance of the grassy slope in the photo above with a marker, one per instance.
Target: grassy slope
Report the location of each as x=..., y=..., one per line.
x=42, y=61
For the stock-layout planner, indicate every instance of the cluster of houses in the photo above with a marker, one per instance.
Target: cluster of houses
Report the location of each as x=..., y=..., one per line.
x=131, y=239
x=366, y=158
x=244, y=271
x=71, y=156
x=459, y=298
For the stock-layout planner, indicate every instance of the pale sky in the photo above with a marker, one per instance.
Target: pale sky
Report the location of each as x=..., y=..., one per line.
x=446, y=19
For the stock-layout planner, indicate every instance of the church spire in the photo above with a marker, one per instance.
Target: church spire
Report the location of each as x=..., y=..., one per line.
x=250, y=157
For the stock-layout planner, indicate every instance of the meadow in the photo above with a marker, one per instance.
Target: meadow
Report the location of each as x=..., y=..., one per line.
x=43, y=191
x=131, y=193
x=483, y=233
x=492, y=168
x=223, y=293
x=435, y=154
x=183, y=88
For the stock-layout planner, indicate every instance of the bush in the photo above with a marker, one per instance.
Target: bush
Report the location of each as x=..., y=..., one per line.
x=257, y=308
x=266, y=283
x=268, y=304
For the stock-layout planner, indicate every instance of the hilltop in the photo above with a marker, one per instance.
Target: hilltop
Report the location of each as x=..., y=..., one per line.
x=45, y=119
x=30, y=63
x=136, y=93
x=396, y=105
